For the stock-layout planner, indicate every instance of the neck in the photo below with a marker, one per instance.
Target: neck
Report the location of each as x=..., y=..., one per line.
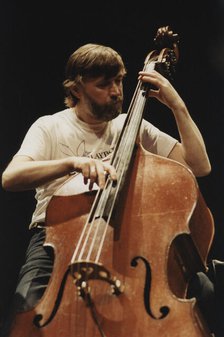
x=86, y=116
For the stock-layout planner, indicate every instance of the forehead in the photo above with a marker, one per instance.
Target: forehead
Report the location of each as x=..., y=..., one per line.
x=100, y=78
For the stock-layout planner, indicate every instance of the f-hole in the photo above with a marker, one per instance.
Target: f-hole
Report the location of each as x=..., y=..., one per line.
x=146, y=296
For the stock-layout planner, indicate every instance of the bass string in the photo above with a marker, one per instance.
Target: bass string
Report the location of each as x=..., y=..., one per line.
x=134, y=117
x=100, y=201
x=136, y=109
x=120, y=167
x=85, y=229
x=94, y=214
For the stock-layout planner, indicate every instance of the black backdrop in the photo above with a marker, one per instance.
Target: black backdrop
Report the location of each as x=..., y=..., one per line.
x=36, y=39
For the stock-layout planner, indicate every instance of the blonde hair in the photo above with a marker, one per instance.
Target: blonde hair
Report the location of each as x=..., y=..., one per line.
x=90, y=61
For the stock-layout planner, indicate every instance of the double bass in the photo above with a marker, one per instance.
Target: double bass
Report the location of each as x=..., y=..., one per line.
x=124, y=254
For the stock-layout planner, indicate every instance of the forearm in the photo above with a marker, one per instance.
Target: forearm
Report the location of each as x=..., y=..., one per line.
x=193, y=146
x=191, y=151
x=23, y=173
x=27, y=175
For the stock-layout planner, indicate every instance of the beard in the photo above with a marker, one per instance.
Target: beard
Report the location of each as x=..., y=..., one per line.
x=105, y=112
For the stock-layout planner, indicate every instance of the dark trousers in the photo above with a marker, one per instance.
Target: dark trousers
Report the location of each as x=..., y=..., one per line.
x=35, y=273
x=33, y=278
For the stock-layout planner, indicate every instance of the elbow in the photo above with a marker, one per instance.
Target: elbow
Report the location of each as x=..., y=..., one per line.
x=7, y=182
x=208, y=171
x=203, y=171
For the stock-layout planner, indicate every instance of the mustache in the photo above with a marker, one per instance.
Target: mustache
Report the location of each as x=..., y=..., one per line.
x=114, y=102
x=118, y=99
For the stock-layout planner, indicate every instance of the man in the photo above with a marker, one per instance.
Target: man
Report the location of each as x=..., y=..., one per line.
x=81, y=138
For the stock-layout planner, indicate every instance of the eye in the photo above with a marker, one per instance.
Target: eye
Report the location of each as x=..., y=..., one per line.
x=118, y=81
x=103, y=84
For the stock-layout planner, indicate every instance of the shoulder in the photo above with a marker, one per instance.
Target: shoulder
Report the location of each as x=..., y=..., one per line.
x=63, y=114
x=49, y=121
x=118, y=122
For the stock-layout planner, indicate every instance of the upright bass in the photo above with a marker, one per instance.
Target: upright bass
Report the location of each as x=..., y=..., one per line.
x=124, y=254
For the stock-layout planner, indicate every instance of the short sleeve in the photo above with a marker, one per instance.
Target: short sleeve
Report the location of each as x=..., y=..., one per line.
x=156, y=141
x=37, y=141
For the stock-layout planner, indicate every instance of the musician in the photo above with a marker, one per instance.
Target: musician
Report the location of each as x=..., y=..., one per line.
x=81, y=138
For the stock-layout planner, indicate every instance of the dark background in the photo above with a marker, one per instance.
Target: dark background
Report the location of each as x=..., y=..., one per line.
x=36, y=39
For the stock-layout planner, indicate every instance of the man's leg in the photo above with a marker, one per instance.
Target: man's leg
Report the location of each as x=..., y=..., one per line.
x=33, y=278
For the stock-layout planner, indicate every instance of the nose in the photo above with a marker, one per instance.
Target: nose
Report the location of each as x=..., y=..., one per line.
x=115, y=90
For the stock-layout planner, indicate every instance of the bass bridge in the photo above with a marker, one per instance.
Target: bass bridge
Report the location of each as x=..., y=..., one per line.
x=84, y=271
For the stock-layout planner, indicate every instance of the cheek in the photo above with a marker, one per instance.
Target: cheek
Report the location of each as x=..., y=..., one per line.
x=95, y=97
x=100, y=96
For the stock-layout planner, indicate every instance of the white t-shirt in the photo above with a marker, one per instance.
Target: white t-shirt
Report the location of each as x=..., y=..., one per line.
x=63, y=134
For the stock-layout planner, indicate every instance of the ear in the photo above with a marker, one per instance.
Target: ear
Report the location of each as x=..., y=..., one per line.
x=76, y=91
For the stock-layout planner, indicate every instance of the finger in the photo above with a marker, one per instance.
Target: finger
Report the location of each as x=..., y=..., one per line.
x=85, y=180
x=150, y=76
x=149, y=73
x=153, y=93
x=91, y=186
x=100, y=175
x=111, y=171
x=92, y=174
x=85, y=173
x=154, y=81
